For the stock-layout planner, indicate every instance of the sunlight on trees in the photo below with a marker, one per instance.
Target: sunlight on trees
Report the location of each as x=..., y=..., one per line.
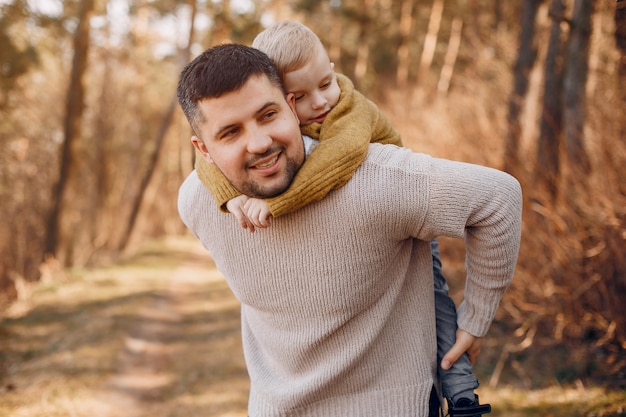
x=532, y=87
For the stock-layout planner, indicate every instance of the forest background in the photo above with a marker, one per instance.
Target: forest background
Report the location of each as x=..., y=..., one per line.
x=93, y=145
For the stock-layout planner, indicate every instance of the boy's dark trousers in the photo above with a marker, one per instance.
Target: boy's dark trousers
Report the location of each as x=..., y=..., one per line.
x=434, y=406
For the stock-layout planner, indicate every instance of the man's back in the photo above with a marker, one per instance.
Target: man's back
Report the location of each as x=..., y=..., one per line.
x=331, y=294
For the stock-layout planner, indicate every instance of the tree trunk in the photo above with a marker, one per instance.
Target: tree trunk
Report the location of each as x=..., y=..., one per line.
x=154, y=157
x=406, y=22
x=334, y=49
x=525, y=61
x=497, y=15
x=73, y=118
x=620, y=41
x=574, y=81
x=451, y=54
x=550, y=127
x=430, y=42
x=222, y=31
x=363, y=49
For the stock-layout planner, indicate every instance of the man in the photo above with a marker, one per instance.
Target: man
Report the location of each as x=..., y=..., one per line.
x=337, y=298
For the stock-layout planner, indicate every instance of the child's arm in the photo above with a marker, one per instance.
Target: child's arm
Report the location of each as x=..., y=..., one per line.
x=258, y=213
x=213, y=179
x=237, y=207
x=344, y=138
x=252, y=213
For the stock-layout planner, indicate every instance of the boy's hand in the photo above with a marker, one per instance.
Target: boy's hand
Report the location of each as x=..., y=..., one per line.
x=258, y=213
x=237, y=207
x=465, y=342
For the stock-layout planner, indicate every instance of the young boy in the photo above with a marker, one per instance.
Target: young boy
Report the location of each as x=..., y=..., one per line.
x=345, y=122
x=343, y=138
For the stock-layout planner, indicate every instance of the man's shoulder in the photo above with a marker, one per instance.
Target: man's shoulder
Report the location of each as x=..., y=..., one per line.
x=393, y=155
x=190, y=192
x=191, y=183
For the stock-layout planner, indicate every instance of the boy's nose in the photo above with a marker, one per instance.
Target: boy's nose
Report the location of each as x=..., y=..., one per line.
x=319, y=101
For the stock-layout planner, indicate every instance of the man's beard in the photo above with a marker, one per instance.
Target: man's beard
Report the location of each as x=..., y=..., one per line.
x=256, y=190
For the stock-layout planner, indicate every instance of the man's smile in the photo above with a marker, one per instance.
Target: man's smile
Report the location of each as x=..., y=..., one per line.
x=266, y=165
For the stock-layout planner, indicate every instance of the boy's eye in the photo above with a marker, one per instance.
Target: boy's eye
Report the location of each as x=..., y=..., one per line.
x=325, y=85
x=299, y=97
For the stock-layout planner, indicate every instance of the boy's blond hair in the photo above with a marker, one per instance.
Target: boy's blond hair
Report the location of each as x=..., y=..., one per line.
x=290, y=45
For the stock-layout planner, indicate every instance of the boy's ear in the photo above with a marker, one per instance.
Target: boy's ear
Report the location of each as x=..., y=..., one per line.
x=202, y=149
x=332, y=65
x=291, y=101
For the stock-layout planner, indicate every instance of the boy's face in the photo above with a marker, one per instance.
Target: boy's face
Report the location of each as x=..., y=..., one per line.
x=253, y=137
x=314, y=87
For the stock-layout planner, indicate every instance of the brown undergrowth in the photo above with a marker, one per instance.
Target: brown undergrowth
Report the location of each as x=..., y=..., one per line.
x=158, y=335
x=563, y=320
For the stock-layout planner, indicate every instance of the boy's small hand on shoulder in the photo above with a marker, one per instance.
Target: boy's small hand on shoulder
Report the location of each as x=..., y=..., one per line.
x=237, y=207
x=251, y=213
x=258, y=213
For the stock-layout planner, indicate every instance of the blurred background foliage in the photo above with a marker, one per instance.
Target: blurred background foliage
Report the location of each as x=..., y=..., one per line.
x=93, y=146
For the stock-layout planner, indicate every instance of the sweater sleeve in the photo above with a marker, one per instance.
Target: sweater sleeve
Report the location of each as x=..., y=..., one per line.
x=343, y=143
x=484, y=207
x=213, y=179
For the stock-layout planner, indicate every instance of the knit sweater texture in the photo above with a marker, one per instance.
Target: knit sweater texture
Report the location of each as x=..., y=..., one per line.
x=337, y=308
x=344, y=136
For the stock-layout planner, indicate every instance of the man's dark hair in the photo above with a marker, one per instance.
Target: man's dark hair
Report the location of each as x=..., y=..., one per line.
x=220, y=70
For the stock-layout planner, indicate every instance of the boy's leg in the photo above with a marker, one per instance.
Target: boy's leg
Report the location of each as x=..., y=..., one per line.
x=458, y=382
x=434, y=406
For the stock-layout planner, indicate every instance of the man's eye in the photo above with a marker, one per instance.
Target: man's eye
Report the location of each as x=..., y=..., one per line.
x=269, y=115
x=229, y=133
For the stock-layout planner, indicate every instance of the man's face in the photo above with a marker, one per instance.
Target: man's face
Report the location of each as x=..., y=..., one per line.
x=253, y=137
x=314, y=87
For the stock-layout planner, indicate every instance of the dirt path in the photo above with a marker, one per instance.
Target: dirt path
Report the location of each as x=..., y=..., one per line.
x=158, y=363
x=156, y=340
x=158, y=335
x=144, y=374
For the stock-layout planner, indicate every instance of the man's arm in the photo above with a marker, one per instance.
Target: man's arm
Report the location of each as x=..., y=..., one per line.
x=465, y=342
x=484, y=207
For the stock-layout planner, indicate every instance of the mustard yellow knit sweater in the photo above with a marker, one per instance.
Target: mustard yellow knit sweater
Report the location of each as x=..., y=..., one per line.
x=344, y=137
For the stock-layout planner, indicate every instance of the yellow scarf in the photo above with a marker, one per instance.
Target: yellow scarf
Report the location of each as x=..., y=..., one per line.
x=343, y=142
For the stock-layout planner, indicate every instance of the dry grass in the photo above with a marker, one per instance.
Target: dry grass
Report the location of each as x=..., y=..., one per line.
x=567, y=295
x=158, y=335
x=556, y=402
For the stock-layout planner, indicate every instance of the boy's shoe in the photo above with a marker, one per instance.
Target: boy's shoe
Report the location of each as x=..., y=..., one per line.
x=466, y=407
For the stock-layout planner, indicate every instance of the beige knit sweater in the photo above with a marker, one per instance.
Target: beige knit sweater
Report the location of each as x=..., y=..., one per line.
x=337, y=308
x=344, y=136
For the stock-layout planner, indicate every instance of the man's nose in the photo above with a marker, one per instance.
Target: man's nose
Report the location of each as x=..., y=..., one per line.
x=258, y=141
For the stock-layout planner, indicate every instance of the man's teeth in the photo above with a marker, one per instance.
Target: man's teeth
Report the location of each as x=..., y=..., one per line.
x=267, y=164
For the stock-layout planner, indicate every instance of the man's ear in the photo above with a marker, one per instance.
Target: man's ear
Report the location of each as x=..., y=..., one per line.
x=291, y=101
x=202, y=149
